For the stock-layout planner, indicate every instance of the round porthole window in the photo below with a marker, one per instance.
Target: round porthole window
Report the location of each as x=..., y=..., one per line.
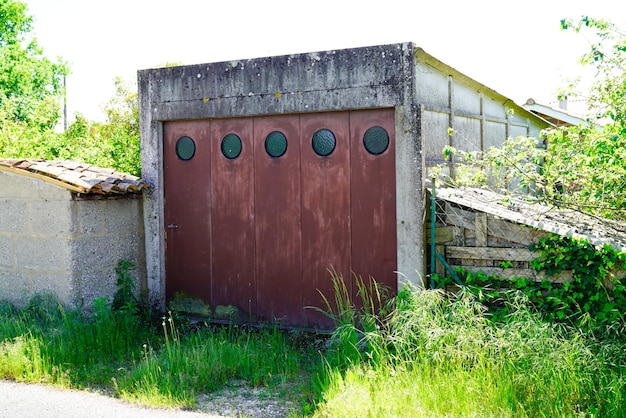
x=185, y=148
x=276, y=144
x=231, y=146
x=376, y=140
x=324, y=142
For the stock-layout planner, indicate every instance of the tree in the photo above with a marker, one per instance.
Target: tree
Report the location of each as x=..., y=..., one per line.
x=587, y=162
x=31, y=85
x=579, y=167
x=31, y=89
x=114, y=143
x=607, y=53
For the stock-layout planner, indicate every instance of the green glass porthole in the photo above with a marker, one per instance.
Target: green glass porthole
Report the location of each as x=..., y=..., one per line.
x=324, y=142
x=231, y=146
x=185, y=148
x=376, y=140
x=276, y=144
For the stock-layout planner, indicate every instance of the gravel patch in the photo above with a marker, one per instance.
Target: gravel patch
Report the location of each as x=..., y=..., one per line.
x=239, y=400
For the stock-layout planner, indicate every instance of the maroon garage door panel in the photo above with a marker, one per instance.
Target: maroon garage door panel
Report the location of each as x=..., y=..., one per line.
x=232, y=227
x=373, y=194
x=277, y=219
x=325, y=210
x=261, y=231
x=187, y=213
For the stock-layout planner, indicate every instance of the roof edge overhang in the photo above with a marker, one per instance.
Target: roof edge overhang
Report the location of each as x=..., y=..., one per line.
x=81, y=179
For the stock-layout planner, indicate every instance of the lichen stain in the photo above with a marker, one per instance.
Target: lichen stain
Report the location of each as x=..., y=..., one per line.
x=278, y=95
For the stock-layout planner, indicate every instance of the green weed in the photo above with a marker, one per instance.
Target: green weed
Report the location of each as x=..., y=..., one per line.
x=440, y=355
x=421, y=353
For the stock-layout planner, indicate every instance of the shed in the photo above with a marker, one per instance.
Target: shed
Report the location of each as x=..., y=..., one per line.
x=63, y=228
x=266, y=172
x=558, y=117
x=484, y=231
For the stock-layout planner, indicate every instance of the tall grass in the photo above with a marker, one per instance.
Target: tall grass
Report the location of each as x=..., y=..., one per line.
x=439, y=355
x=47, y=343
x=119, y=350
x=206, y=360
x=420, y=353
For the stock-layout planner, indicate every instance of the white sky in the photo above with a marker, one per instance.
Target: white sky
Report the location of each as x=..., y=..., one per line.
x=515, y=48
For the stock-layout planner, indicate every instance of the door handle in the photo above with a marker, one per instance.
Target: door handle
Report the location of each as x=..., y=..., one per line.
x=172, y=226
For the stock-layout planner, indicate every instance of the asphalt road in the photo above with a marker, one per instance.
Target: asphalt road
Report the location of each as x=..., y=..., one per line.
x=20, y=400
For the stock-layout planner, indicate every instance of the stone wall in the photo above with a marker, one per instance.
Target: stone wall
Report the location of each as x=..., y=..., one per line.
x=50, y=241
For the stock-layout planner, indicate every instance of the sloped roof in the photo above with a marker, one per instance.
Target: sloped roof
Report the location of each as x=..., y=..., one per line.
x=564, y=222
x=77, y=177
x=557, y=117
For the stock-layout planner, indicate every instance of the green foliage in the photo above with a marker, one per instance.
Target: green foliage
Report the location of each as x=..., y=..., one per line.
x=7, y=309
x=594, y=291
x=125, y=298
x=584, y=169
x=513, y=167
x=594, y=296
x=114, y=143
x=606, y=54
x=425, y=353
x=169, y=365
x=31, y=85
x=580, y=169
x=45, y=307
x=183, y=303
x=587, y=161
x=357, y=320
x=31, y=90
x=206, y=360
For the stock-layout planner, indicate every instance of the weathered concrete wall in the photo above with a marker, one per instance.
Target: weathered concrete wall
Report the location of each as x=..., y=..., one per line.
x=52, y=243
x=360, y=78
x=107, y=231
x=480, y=117
x=35, y=231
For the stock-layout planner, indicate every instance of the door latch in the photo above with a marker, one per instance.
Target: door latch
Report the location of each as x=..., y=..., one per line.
x=172, y=226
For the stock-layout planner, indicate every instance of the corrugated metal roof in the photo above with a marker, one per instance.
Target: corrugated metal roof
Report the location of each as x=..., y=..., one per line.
x=564, y=222
x=77, y=177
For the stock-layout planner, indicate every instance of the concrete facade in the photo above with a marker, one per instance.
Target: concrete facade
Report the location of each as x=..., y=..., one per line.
x=50, y=241
x=479, y=116
x=428, y=97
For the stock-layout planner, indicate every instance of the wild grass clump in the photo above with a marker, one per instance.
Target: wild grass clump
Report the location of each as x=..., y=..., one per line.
x=45, y=342
x=206, y=360
x=165, y=366
x=120, y=348
x=435, y=354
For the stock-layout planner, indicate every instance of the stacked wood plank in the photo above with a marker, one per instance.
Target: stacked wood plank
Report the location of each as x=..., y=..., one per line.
x=85, y=179
x=483, y=231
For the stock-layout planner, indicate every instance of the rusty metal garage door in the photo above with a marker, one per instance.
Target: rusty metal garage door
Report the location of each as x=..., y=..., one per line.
x=257, y=209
